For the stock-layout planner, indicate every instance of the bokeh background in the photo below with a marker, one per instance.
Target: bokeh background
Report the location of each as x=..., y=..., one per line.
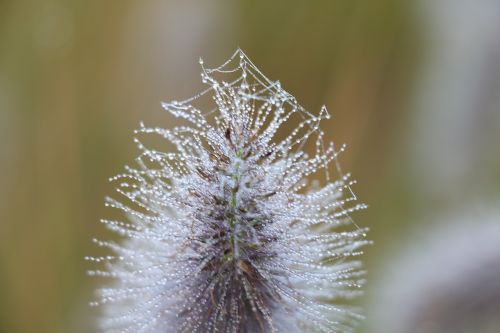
x=413, y=87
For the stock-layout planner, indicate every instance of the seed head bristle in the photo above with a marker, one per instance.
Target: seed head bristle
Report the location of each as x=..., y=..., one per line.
x=226, y=234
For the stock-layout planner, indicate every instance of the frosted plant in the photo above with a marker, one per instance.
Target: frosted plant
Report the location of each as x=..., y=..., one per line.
x=226, y=234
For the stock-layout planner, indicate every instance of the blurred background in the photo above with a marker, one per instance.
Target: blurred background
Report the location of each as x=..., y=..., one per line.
x=413, y=87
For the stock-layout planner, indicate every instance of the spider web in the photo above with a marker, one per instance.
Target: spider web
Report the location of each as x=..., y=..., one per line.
x=240, y=75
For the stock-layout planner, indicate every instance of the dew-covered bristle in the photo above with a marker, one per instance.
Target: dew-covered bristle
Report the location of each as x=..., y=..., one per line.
x=226, y=234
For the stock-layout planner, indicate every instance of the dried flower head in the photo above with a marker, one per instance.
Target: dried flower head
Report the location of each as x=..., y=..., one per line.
x=226, y=234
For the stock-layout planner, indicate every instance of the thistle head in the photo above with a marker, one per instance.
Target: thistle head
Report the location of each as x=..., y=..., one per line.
x=226, y=234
